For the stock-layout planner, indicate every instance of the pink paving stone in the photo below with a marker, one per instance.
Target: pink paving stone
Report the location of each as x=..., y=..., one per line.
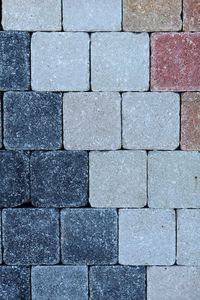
x=175, y=61
x=191, y=15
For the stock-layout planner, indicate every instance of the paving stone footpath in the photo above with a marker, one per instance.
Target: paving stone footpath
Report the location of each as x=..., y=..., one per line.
x=99, y=150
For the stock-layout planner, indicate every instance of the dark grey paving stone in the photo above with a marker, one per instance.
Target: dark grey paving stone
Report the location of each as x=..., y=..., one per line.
x=14, y=178
x=30, y=236
x=89, y=236
x=32, y=120
x=14, y=60
x=59, y=178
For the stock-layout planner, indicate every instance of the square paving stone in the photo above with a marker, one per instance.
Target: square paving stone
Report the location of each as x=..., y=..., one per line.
x=60, y=61
x=60, y=282
x=31, y=236
x=89, y=236
x=14, y=178
x=118, y=179
x=59, y=178
x=117, y=283
x=32, y=120
x=191, y=15
x=14, y=61
x=119, y=61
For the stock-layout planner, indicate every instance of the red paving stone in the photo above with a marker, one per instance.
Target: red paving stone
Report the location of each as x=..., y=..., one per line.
x=191, y=15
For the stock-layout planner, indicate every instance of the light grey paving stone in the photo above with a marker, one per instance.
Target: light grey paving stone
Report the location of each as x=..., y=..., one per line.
x=92, y=15
x=173, y=283
x=174, y=179
x=119, y=61
x=60, y=61
x=150, y=120
x=146, y=237
x=92, y=121
x=59, y=282
x=118, y=178
x=31, y=15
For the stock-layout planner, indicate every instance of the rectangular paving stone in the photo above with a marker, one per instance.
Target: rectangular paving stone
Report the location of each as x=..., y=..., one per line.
x=118, y=179
x=92, y=121
x=92, y=15
x=59, y=282
x=1, y=137
x=191, y=15
x=119, y=61
x=60, y=61
x=59, y=178
x=117, y=282
x=31, y=236
x=32, y=120
x=146, y=237
x=89, y=236
x=150, y=120
x=173, y=179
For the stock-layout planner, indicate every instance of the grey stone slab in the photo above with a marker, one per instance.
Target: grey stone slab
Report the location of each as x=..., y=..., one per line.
x=60, y=61
x=0, y=241
x=150, y=120
x=1, y=129
x=119, y=61
x=59, y=282
x=92, y=121
x=174, y=179
x=146, y=237
x=118, y=178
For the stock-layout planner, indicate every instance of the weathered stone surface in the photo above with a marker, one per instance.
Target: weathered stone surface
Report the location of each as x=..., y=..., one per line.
x=118, y=179
x=14, y=61
x=191, y=15
x=0, y=243
x=92, y=121
x=146, y=237
x=60, y=282
x=32, y=15
x=175, y=61
x=92, y=15
x=59, y=178
x=32, y=120
x=60, y=61
x=120, y=61
x=174, y=179
x=89, y=236
x=1, y=142
x=150, y=120
x=151, y=15
x=30, y=236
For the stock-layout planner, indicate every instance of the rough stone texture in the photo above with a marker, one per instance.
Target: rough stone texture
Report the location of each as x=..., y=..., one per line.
x=150, y=120
x=60, y=61
x=14, y=61
x=191, y=15
x=188, y=232
x=92, y=15
x=32, y=15
x=117, y=282
x=89, y=236
x=1, y=142
x=14, y=283
x=118, y=179
x=173, y=283
x=146, y=237
x=190, y=121
x=0, y=243
x=151, y=15
x=174, y=179
x=119, y=61
x=175, y=61
x=92, y=121
x=60, y=282
x=30, y=236
x=59, y=178
x=32, y=120
x=14, y=178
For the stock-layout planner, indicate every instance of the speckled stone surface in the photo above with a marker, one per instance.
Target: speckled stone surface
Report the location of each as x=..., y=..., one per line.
x=89, y=236
x=117, y=283
x=59, y=282
x=191, y=15
x=14, y=178
x=1, y=142
x=0, y=242
x=31, y=236
x=32, y=120
x=14, y=61
x=59, y=178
